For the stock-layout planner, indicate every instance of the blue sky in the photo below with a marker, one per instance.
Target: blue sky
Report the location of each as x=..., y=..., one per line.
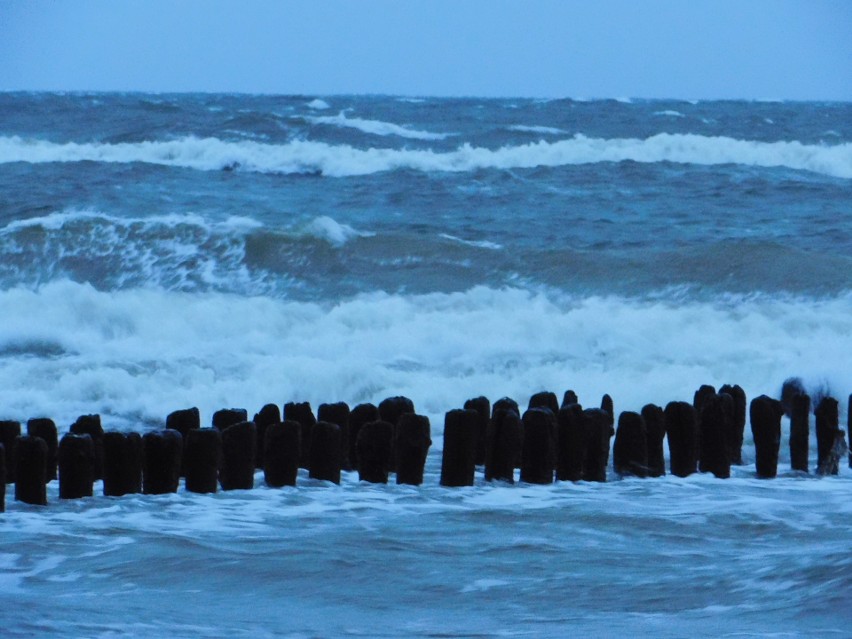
x=772, y=49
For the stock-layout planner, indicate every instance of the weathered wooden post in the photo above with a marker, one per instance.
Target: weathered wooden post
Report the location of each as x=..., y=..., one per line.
x=597, y=425
x=325, y=452
x=569, y=398
x=800, y=410
x=538, y=458
x=30, y=467
x=827, y=433
x=338, y=413
x=239, y=445
x=713, y=452
x=123, y=461
x=76, y=466
x=504, y=443
x=202, y=459
x=9, y=432
x=283, y=449
x=46, y=429
x=360, y=415
x=303, y=413
x=375, y=446
x=734, y=436
x=269, y=414
x=682, y=431
x=570, y=442
x=91, y=425
x=655, y=429
x=458, y=461
x=630, y=449
x=544, y=399
x=227, y=417
x=765, y=416
x=483, y=410
x=412, y=438
x=162, y=461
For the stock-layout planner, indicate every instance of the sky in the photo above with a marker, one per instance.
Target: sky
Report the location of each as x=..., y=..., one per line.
x=690, y=49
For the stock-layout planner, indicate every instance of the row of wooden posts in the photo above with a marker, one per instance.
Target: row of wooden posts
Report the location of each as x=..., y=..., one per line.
x=567, y=442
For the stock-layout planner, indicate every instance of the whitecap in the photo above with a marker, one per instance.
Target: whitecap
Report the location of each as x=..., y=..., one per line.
x=300, y=156
x=375, y=127
x=318, y=104
x=332, y=231
x=476, y=243
x=670, y=113
x=548, y=130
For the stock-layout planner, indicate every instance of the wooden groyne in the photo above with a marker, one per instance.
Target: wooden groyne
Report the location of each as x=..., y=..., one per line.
x=547, y=442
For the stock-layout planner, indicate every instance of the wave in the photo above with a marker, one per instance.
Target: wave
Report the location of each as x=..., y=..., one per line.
x=332, y=231
x=139, y=353
x=670, y=113
x=475, y=243
x=375, y=127
x=306, y=157
x=318, y=104
x=548, y=130
x=180, y=252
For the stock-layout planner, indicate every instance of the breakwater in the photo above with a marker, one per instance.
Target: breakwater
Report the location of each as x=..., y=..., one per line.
x=546, y=442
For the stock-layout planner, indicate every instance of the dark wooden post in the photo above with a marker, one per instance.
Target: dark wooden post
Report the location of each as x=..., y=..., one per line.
x=765, y=416
x=458, y=461
x=30, y=466
x=162, y=461
x=375, y=446
x=338, y=413
x=283, y=449
x=360, y=415
x=303, y=413
x=827, y=431
x=504, y=444
x=46, y=429
x=800, y=410
x=269, y=414
x=483, y=410
x=538, y=458
x=570, y=442
x=682, y=431
x=737, y=424
x=76, y=466
x=9, y=433
x=655, y=429
x=630, y=449
x=123, y=461
x=597, y=424
x=412, y=438
x=202, y=459
x=239, y=445
x=325, y=452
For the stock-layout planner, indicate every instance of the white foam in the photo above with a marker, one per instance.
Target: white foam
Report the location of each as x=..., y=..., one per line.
x=301, y=156
x=332, y=231
x=547, y=130
x=477, y=243
x=135, y=355
x=375, y=127
x=318, y=104
x=670, y=113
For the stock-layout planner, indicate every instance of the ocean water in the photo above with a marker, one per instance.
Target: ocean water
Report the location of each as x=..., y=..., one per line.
x=165, y=251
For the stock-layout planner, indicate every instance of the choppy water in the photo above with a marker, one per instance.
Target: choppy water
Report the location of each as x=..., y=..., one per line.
x=161, y=251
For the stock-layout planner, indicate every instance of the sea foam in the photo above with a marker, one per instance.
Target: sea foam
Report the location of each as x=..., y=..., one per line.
x=375, y=127
x=301, y=156
x=137, y=354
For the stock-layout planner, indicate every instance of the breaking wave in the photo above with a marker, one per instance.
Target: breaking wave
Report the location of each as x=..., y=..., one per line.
x=308, y=157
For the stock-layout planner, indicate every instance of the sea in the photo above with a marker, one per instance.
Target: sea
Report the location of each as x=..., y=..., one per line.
x=164, y=251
